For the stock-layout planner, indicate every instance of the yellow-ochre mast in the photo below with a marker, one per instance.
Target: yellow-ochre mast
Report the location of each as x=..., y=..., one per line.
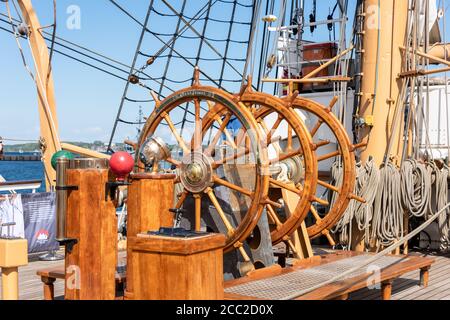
x=385, y=24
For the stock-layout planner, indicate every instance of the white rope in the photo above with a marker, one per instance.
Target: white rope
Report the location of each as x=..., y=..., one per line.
x=416, y=187
x=387, y=224
x=343, y=226
x=441, y=198
x=367, y=180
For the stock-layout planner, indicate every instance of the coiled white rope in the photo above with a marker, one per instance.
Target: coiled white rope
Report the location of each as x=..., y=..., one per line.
x=367, y=183
x=416, y=187
x=367, y=180
x=387, y=223
x=343, y=226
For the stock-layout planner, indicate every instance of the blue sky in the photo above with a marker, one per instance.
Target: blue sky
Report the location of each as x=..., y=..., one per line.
x=87, y=99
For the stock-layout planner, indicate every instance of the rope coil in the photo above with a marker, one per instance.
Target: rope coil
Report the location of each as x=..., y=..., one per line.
x=387, y=225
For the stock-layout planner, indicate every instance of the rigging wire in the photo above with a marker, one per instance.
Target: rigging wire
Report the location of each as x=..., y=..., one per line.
x=172, y=45
x=52, y=46
x=198, y=34
x=227, y=46
x=71, y=43
x=136, y=54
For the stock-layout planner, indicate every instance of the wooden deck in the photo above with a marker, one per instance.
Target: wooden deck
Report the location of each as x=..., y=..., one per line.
x=407, y=287
x=404, y=288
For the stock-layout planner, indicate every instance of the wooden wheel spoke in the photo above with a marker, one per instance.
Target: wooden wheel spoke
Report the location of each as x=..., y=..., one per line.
x=289, y=139
x=273, y=215
x=174, y=162
x=216, y=138
x=276, y=144
x=220, y=211
x=198, y=211
x=274, y=128
x=329, y=155
x=232, y=186
x=237, y=155
x=225, y=130
x=240, y=136
x=357, y=198
x=227, y=223
x=320, y=201
x=198, y=136
x=286, y=156
x=316, y=127
x=175, y=133
x=322, y=143
x=286, y=186
x=181, y=200
x=328, y=186
x=316, y=214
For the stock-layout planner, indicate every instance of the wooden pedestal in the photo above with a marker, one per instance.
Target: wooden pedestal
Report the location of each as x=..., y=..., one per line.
x=13, y=254
x=91, y=265
x=165, y=268
x=150, y=196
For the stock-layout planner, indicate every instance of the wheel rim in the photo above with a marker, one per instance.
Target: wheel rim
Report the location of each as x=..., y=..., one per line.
x=198, y=169
x=347, y=156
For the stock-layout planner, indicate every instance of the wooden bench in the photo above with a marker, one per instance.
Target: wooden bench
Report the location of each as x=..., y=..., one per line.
x=338, y=290
x=49, y=276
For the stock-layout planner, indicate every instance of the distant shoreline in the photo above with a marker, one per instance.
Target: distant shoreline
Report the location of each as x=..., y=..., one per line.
x=98, y=146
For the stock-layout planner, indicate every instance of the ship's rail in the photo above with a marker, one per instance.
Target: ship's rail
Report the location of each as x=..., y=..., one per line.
x=13, y=186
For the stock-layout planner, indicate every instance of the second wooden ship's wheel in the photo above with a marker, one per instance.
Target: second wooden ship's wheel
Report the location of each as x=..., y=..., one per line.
x=294, y=168
x=200, y=161
x=322, y=119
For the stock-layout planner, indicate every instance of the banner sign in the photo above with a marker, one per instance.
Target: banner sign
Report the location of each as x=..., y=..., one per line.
x=35, y=218
x=11, y=211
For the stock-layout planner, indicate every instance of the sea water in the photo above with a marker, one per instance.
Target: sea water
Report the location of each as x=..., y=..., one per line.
x=23, y=170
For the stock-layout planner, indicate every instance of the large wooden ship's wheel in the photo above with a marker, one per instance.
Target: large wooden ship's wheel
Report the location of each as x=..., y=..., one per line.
x=200, y=160
x=321, y=118
x=298, y=164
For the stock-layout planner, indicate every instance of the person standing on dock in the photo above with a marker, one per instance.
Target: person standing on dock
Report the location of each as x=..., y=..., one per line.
x=1, y=148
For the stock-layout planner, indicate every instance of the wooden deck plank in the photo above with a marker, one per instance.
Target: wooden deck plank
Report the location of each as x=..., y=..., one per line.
x=408, y=281
x=404, y=288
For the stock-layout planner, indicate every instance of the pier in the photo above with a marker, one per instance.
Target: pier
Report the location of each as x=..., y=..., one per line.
x=25, y=157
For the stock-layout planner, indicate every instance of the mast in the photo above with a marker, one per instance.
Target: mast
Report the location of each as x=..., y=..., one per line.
x=383, y=36
x=50, y=142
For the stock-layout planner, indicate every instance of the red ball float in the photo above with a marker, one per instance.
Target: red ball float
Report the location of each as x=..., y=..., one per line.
x=121, y=164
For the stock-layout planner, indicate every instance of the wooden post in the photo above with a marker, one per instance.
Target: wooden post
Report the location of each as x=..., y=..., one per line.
x=168, y=268
x=300, y=237
x=91, y=264
x=13, y=253
x=49, y=288
x=424, y=276
x=386, y=290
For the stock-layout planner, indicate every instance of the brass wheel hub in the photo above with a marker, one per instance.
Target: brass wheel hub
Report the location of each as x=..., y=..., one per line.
x=196, y=172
